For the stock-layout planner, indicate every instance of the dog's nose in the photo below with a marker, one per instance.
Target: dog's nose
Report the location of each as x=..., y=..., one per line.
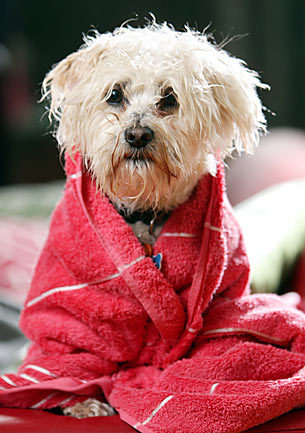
x=139, y=136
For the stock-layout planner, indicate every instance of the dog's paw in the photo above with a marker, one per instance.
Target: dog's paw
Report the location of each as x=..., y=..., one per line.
x=88, y=408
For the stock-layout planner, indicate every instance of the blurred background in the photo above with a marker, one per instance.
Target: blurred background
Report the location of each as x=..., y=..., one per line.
x=34, y=35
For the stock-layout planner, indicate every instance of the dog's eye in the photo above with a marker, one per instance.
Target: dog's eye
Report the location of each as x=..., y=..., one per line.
x=116, y=97
x=168, y=102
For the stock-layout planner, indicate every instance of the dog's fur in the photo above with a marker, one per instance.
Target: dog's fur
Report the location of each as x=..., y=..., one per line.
x=197, y=102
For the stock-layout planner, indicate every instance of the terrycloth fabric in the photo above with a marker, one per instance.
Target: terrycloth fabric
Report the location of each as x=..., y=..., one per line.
x=177, y=350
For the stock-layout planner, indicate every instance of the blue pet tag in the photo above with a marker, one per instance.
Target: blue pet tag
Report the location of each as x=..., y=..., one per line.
x=157, y=260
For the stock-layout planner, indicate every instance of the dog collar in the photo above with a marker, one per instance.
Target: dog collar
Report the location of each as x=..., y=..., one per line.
x=147, y=217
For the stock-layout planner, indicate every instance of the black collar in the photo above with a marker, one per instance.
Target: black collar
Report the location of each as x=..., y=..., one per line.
x=146, y=216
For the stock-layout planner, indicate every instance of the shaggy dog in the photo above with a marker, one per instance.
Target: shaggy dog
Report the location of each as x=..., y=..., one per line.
x=151, y=110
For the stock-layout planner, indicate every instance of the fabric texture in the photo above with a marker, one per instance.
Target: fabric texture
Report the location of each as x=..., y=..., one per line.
x=184, y=348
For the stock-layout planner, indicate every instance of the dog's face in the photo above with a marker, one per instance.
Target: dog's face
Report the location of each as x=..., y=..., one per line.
x=151, y=110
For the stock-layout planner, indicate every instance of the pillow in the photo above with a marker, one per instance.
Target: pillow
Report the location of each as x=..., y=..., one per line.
x=273, y=223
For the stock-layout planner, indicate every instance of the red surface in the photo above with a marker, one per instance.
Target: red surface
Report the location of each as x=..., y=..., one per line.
x=291, y=422
x=34, y=421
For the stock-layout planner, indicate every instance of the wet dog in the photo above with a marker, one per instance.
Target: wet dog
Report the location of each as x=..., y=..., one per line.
x=151, y=110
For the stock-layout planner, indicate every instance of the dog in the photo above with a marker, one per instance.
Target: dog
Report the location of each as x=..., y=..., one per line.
x=151, y=110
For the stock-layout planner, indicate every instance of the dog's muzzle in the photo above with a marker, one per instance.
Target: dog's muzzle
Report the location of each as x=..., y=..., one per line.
x=139, y=137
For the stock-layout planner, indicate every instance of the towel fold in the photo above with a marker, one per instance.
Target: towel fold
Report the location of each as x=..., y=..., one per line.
x=177, y=349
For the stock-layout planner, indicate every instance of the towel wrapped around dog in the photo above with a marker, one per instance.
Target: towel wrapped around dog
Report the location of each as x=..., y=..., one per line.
x=184, y=348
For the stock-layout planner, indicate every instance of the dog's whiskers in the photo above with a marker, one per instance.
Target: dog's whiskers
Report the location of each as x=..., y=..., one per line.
x=114, y=166
x=165, y=166
x=139, y=156
x=115, y=116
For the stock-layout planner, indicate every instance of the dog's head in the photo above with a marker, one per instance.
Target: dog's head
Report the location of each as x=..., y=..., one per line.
x=151, y=110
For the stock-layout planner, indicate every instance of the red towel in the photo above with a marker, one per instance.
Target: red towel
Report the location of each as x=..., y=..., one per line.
x=181, y=349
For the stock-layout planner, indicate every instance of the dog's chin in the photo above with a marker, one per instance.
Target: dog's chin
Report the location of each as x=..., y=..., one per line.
x=135, y=162
x=137, y=158
x=141, y=184
x=137, y=184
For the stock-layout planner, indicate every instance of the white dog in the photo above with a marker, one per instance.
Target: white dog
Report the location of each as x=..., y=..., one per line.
x=151, y=110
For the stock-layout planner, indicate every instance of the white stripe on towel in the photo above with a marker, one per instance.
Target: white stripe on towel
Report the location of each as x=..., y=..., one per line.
x=83, y=285
x=154, y=412
x=216, y=229
x=7, y=380
x=39, y=403
x=243, y=330
x=75, y=175
x=213, y=387
x=180, y=235
x=40, y=369
x=67, y=400
x=124, y=267
x=69, y=288
x=29, y=378
x=55, y=290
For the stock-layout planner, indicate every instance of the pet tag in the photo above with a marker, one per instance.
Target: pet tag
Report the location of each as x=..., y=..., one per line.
x=157, y=260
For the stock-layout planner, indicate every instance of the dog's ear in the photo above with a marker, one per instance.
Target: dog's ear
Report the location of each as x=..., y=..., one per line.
x=238, y=111
x=59, y=83
x=67, y=83
x=66, y=74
